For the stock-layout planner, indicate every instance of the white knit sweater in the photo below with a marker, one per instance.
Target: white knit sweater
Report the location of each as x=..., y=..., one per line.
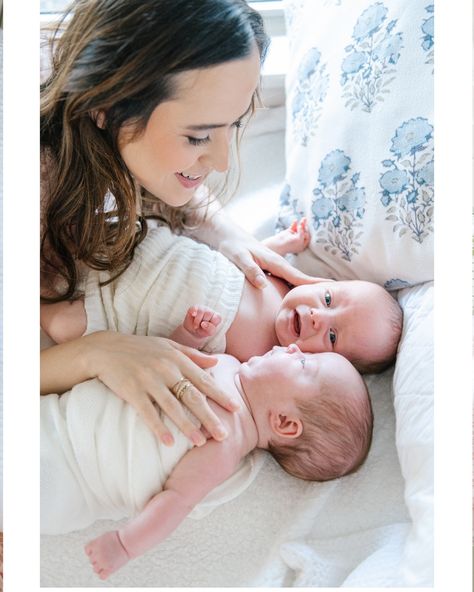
x=169, y=273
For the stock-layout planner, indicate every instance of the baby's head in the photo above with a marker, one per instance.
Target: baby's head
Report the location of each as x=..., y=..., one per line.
x=357, y=319
x=312, y=411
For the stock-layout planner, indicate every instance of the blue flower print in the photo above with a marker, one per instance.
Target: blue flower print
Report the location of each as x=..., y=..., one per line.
x=322, y=208
x=407, y=185
x=412, y=136
x=309, y=64
x=310, y=93
x=426, y=174
x=338, y=206
x=394, y=181
x=333, y=167
x=370, y=21
x=354, y=199
x=288, y=211
x=353, y=62
x=396, y=284
x=388, y=50
x=368, y=67
x=427, y=39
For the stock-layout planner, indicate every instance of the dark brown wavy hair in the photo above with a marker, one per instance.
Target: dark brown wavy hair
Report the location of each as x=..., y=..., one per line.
x=118, y=57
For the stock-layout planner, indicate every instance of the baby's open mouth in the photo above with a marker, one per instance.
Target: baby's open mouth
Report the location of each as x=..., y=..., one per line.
x=297, y=323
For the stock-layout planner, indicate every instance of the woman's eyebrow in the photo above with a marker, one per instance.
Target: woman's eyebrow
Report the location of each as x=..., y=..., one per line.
x=205, y=126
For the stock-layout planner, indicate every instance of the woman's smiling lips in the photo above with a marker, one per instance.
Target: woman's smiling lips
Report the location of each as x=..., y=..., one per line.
x=189, y=182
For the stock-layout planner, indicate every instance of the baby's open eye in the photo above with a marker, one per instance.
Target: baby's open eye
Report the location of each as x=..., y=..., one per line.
x=327, y=299
x=332, y=336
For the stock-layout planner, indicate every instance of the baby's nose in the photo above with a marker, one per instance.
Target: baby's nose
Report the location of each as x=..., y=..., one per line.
x=317, y=319
x=293, y=348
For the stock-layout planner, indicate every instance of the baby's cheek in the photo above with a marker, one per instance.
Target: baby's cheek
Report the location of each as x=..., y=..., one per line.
x=311, y=346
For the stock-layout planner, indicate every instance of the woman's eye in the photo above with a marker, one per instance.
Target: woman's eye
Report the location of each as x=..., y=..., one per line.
x=332, y=336
x=327, y=299
x=198, y=141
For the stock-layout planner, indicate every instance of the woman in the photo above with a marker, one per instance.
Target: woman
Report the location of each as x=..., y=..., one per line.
x=139, y=108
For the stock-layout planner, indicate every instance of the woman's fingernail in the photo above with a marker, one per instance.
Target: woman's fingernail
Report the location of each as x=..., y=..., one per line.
x=260, y=281
x=233, y=405
x=220, y=433
x=167, y=439
x=197, y=438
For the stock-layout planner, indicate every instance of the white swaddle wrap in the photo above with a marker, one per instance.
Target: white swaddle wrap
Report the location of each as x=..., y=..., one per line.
x=100, y=461
x=168, y=274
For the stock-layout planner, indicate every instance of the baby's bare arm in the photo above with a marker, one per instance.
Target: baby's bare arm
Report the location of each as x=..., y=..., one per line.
x=199, y=471
x=64, y=321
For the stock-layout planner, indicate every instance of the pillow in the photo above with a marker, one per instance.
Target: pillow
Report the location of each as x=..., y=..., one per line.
x=413, y=386
x=359, y=143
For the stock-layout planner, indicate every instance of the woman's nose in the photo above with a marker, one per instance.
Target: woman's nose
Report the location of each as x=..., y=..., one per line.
x=217, y=156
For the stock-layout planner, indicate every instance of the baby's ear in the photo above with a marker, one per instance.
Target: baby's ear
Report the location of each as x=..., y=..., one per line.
x=285, y=425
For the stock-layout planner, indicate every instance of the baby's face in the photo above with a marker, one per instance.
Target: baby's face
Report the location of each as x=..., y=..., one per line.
x=346, y=317
x=285, y=373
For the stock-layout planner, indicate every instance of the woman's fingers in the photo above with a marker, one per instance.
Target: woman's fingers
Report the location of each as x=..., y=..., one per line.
x=167, y=401
x=196, y=402
x=149, y=413
x=201, y=359
x=280, y=267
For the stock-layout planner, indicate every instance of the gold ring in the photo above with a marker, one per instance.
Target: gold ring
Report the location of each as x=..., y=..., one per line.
x=180, y=388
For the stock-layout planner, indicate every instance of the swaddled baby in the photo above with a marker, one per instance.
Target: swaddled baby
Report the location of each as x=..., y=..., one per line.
x=311, y=411
x=170, y=274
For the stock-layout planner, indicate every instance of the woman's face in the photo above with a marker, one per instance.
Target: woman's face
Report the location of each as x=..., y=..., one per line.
x=188, y=137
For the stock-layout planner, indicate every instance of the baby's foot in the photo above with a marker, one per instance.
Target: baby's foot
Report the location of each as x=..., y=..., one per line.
x=106, y=554
x=201, y=321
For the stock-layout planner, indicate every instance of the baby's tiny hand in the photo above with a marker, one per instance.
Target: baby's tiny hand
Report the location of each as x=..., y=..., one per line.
x=295, y=238
x=201, y=321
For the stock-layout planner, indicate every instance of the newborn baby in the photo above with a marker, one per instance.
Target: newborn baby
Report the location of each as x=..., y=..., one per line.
x=310, y=411
x=357, y=319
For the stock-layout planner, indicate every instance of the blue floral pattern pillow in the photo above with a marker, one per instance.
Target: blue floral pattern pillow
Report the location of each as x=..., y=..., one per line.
x=360, y=149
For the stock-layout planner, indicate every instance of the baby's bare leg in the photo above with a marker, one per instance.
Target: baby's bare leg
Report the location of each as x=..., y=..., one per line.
x=64, y=321
x=106, y=554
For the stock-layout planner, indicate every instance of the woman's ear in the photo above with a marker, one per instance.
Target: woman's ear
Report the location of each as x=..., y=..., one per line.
x=98, y=117
x=285, y=426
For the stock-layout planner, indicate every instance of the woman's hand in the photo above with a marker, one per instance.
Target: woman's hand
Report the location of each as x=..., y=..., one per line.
x=142, y=371
x=253, y=257
x=250, y=255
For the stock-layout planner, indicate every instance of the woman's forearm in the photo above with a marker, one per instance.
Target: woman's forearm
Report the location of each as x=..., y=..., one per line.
x=63, y=366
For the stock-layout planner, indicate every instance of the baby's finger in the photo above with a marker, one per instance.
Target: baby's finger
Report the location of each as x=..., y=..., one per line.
x=216, y=319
